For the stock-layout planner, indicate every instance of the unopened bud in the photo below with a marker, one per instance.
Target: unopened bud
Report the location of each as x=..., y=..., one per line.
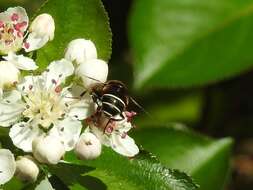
x=88, y=146
x=80, y=51
x=41, y=31
x=27, y=169
x=48, y=149
x=43, y=25
x=93, y=69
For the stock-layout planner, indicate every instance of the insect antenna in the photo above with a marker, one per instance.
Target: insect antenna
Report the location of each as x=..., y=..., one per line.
x=94, y=79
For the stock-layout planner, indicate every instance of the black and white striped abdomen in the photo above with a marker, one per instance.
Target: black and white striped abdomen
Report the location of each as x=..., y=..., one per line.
x=112, y=105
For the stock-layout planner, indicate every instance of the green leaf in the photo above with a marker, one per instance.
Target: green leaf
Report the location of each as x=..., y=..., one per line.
x=76, y=19
x=205, y=159
x=188, y=43
x=112, y=171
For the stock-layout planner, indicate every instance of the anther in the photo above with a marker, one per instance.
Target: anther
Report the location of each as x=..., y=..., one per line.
x=14, y=17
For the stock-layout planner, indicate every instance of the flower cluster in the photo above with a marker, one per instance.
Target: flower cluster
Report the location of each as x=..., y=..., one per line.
x=47, y=114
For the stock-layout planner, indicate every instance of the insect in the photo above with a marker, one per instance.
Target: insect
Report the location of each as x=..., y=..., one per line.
x=112, y=99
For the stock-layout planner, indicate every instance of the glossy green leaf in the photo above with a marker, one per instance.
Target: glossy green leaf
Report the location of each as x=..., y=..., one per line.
x=76, y=19
x=112, y=171
x=206, y=160
x=187, y=43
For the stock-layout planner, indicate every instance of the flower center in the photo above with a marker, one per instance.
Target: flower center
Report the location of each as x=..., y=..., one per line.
x=11, y=35
x=44, y=107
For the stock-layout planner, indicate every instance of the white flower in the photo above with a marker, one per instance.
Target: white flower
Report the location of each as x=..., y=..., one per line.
x=114, y=135
x=89, y=67
x=26, y=169
x=48, y=149
x=80, y=51
x=7, y=166
x=41, y=31
x=41, y=105
x=13, y=25
x=88, y=146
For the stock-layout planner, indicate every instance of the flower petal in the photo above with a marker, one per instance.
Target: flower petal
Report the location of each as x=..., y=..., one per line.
x=21, y=62
x=10, y=112
x=28, y=83
x=103, y=137
x=124, y=145
x=7, y=166
x=23, y=134
x=69, y=131
x=34, y=42
x=57, y=72
x=12, y=96
x=80, y=106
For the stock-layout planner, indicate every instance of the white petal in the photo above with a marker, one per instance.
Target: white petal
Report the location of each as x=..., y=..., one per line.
x=94, y=68
x=124, y=146
x=9, y=74
x=104, y=138
x=22, y=135
x=69, y=131
x=34, y=42
x=10, y=112
x=80, y=51
x=29, y=82
x=80, y=106
x=124, y=126
x=44, y=185
x=57, y=72
x=12, y=96
x=22, y=16
x=21, y=62
x=7, y=166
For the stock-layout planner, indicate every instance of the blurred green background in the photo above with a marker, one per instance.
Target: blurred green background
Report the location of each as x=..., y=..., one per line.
x=206, y=76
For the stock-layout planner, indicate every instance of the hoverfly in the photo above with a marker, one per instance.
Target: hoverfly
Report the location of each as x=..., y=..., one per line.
x=112, y=100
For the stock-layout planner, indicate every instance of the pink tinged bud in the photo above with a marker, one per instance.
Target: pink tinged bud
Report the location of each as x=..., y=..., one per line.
x=14, y=17
x=43, y=25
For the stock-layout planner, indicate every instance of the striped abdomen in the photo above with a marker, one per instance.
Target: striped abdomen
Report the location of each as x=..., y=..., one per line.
x=112, y=105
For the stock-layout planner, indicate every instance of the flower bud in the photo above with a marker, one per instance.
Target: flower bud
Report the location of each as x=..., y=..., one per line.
x=27, y=169
x=41, y=31
x=88, y=146
x=8, y=74
x=48, y=149
x=93, y=69
x=80, y=51
x=43, y=25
